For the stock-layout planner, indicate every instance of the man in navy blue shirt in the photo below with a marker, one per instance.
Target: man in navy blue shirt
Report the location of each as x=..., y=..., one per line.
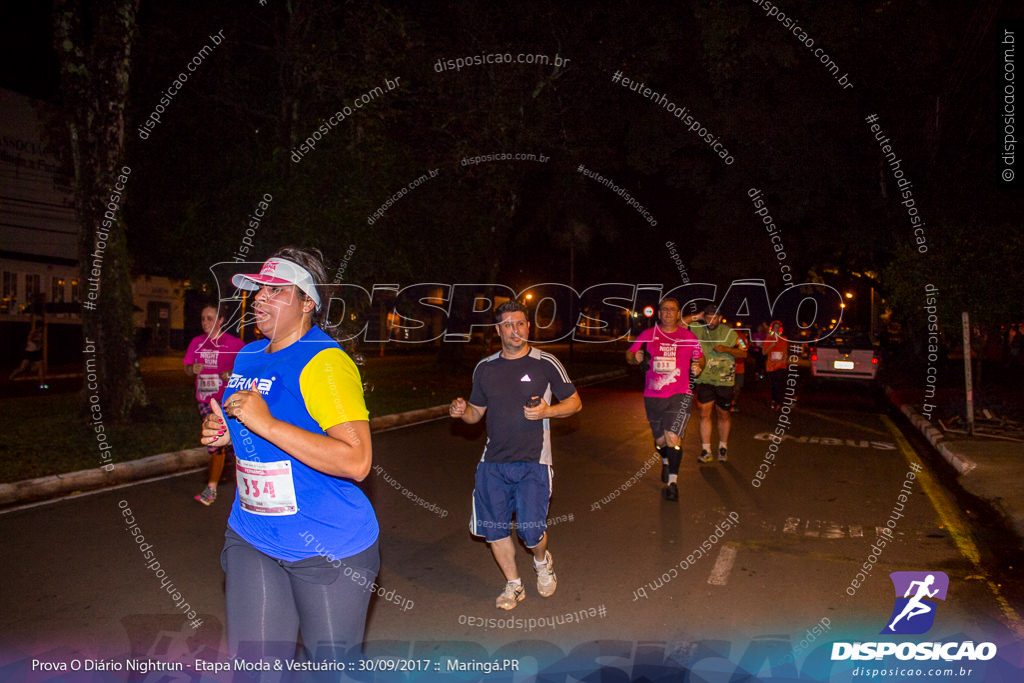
x=514, y=388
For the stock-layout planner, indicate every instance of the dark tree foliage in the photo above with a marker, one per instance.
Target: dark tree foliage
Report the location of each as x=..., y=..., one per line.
x=392, y=180
x=94, y=47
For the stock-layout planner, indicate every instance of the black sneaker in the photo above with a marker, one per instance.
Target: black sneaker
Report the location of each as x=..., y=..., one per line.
x=671, y=492
x=705, y=456
x=722, y=455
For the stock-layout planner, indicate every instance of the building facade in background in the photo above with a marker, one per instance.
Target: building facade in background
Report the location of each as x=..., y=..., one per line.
x=39, y=250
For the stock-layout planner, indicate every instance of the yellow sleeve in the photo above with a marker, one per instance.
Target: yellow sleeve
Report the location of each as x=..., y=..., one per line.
x=332, y=389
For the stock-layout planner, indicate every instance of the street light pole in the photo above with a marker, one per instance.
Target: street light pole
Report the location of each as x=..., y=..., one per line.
x=967, y=372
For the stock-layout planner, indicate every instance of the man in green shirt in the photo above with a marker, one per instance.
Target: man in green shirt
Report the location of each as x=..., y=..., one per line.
x=714, y=386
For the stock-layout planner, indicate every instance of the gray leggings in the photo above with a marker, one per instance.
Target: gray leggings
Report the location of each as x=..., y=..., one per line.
x=269, y=601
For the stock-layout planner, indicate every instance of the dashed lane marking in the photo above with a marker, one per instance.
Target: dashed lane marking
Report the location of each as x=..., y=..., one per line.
x=723, y=565
x=774, y=549
x=820, y=528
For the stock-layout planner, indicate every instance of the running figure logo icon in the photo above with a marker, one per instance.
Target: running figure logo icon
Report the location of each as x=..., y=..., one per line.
x=914, y=611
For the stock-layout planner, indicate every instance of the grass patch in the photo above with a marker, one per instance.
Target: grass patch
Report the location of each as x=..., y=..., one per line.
x=410, y=385
x=44, y=435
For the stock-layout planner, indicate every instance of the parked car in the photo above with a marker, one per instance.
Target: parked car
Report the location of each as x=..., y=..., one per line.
x=844, y=354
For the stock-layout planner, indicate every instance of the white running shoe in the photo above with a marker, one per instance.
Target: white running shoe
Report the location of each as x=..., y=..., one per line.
x=547, y=582
x=511, y=596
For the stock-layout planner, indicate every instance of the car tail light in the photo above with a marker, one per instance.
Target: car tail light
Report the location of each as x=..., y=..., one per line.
x=814, y=357
x=874, y=361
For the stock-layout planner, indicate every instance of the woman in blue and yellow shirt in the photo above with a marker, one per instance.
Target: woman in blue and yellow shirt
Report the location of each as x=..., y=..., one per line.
x=300, y=551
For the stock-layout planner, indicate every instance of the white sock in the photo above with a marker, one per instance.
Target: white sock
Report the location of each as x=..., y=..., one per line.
x=672, y=478
x=722, y=444
x=706, y=447
x=518, y=582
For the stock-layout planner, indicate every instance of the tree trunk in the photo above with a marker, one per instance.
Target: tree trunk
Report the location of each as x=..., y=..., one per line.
x=94, y=45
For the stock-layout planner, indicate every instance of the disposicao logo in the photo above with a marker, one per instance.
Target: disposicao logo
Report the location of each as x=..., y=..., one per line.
x=913, y=613
x=916, y=593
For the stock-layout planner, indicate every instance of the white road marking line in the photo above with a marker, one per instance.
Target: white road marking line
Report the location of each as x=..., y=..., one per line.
x=723, y=565
x=833, y=530
x=818, y=528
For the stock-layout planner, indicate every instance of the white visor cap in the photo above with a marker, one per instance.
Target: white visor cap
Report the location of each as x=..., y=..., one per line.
x=277, y=271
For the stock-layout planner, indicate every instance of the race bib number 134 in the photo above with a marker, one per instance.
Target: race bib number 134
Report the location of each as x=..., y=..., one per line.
x=266, y=488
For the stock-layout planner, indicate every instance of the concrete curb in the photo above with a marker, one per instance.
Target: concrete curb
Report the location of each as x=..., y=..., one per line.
x=960, y=462
x=32, y=490
x=411, y=417
x=993, y=475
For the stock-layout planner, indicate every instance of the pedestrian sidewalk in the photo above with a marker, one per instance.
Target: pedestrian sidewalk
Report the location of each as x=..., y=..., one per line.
x=990, y=469
x=43, y=488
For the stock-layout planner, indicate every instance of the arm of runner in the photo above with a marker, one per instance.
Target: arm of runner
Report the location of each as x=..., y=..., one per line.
x=465, y=411
x=564, y=408
x=635, y=353
x=733, y=346
x=691, y=318
x=734, y=351
x=215, y=431
x=192, y=364
x=344, y=451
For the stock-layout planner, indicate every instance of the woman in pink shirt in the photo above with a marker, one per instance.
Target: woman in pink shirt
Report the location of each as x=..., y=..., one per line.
x=209, y=359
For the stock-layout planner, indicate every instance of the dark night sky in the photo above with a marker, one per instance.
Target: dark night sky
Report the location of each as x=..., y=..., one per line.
x=29, y=66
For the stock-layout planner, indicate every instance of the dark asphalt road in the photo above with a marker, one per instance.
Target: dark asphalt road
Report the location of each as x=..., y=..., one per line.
x=73, y=580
